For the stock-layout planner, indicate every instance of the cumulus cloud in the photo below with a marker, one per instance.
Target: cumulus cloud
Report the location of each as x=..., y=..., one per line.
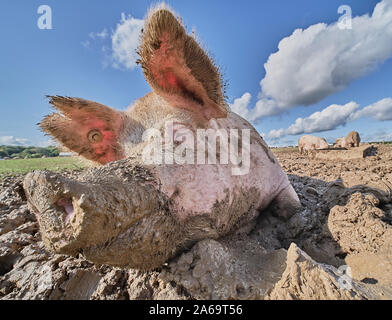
x=263, y=107
x=329, y=118
x=119, y=45
x=86, y=44
x=99, y=35
x=47, y=143
x=240, y=105
x=12, y=141
x=381, y=135
x=323, y=59
x=381, y=110
x=125, y=41
x=333, y=117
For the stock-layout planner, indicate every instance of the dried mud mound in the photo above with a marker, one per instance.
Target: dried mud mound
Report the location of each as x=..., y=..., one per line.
x=338, y=247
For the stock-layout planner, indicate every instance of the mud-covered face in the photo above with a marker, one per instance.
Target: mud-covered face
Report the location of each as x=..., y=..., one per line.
x=69, y=215
x=114, y=219
x=106, y=219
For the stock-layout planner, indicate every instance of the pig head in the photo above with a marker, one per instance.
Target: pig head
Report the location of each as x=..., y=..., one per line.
x=127, y=212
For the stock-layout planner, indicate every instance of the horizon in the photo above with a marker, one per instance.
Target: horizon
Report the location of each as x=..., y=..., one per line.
x=291, y=69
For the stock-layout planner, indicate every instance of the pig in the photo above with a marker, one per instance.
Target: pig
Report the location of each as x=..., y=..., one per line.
x=129, y=210
x=351, y=140
x=308, y=143
x=340, y=143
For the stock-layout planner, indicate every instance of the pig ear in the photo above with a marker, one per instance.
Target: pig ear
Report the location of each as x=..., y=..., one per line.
x=86, y=127
x=178, y=69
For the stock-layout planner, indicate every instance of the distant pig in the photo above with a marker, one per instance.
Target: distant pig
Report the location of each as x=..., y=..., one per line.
x=308, y=143
x=351, y=140
x=340, y=143
x=157, y=190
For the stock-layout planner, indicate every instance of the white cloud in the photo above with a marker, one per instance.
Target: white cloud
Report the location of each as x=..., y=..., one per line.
x=274, y=134
x=380, y=135
x=47, y=143
x=12, y=141
x=335, y=116
x=263, y=107
x=240, y=105
x=86, y=44
x=125, y=41
x=329, y=118
x=318, y=61
x=381, y=110
x=99, y=35
x=120, y=53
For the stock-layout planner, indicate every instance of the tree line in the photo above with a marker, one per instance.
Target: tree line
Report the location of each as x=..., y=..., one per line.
x=20, y=152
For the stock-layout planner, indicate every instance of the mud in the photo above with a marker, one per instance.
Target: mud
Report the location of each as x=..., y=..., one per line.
x=346, y=221
x=345, y=154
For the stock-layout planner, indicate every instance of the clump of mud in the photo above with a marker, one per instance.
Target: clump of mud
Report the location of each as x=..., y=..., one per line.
x=338, y=247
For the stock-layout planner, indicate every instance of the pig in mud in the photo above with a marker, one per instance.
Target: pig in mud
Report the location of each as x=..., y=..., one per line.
x=130, y=212
x=350, y=141
x=340, y=143
x=308, y=143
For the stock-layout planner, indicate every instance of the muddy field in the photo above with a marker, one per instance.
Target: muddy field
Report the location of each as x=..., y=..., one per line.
x=345, y=224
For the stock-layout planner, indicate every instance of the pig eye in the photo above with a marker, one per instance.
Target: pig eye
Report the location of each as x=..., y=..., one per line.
x=94, y=136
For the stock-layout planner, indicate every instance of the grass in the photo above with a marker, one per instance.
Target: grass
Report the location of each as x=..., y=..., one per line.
x=284, y=149
x=23, y=166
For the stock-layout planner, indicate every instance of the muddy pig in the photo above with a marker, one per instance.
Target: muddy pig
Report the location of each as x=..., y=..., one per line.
x=308, y=143
x=148, y=198
x=351, y=140
x=340, y=143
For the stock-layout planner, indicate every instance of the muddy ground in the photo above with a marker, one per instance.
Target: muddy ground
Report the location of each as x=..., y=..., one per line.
x=345, y=224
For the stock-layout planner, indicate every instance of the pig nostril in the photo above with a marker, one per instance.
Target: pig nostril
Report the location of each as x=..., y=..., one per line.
x=62, y=202
x=66, y=203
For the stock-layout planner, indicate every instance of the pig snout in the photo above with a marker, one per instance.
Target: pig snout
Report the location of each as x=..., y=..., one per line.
x=57, y=203
x=47, y=191
x=108, y=220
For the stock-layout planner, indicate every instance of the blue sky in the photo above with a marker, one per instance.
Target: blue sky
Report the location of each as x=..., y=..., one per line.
x=77, y=58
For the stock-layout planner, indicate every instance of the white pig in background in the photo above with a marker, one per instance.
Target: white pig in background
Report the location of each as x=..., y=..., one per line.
x=351, y=140
x=308, y=143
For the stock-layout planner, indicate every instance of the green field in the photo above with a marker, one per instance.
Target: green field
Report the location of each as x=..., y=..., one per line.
x=284, y=149
x=23, y=166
